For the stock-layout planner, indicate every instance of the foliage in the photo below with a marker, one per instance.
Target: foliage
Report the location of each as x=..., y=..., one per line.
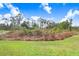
x=25, y=24
x=35, y=26
x=63, y=25
x=67, y=47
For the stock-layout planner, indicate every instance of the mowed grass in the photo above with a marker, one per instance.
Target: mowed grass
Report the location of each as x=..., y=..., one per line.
x=67, y=47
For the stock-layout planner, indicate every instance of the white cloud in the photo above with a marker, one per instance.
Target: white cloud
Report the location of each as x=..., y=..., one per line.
x=13, y=10
x=2, y=22
x=1, y=5
x=1, y=17
x=7, y=15
x=76, y=12
x=35, y=17
x=46, y=7
x=70, y=14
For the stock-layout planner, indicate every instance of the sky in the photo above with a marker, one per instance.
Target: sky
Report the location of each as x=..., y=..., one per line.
x=58, y=12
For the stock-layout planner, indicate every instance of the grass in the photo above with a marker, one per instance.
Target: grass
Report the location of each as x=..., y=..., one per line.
x=67, y=47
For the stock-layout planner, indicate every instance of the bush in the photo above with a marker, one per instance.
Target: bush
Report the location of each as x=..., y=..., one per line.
x=56, y=30
x=27, y=32
x=59, y=36
x=37, y=32
x=67, y=34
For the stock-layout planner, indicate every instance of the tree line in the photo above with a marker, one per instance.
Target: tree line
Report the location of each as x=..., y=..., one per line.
x=15, y=23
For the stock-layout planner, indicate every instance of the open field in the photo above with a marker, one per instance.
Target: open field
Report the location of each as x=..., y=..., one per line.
x=49, y=29
x=67, y=47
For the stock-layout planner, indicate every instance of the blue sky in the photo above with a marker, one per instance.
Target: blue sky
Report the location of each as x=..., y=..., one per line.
x=57, y=11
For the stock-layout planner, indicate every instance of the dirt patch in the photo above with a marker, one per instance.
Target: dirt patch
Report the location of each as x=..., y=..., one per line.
x=18, y=35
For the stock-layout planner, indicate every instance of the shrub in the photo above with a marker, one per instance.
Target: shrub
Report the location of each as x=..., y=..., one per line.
x=56, y=30
x=67, y=34
x=37, y=32
x=27, y=32
x=59, y=36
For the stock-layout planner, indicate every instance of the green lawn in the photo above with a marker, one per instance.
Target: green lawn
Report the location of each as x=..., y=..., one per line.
x=69, y=46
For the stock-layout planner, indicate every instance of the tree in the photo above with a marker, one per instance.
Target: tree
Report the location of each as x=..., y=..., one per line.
x=64, y=25
x=16, y=21
x=13, y=22
x=19, y=18
x=6, y=20
x=70, y=26
x=25, y=24
x=34, y=26
x=50, y=24
x=43, y=22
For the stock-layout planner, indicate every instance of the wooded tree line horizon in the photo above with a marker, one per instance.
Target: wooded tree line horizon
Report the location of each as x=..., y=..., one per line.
x=17, y=22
